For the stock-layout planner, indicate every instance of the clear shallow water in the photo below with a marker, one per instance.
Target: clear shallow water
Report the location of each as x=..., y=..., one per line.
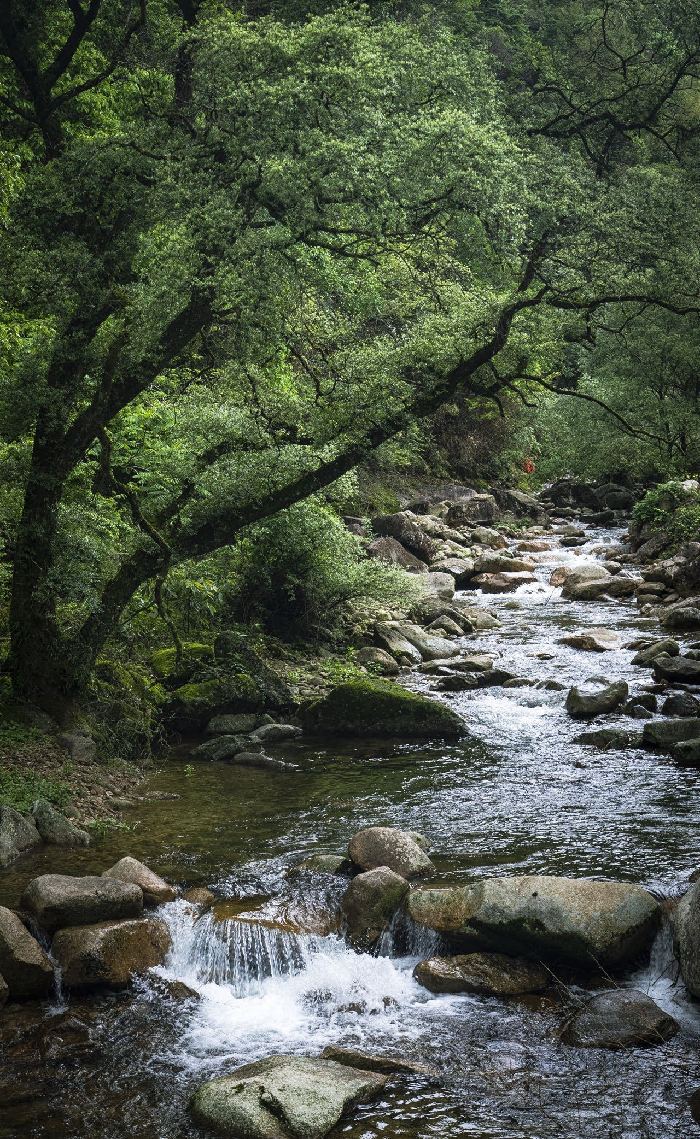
x=516, y=796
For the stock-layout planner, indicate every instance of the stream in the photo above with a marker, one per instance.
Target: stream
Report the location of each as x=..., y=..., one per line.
x=514, y=796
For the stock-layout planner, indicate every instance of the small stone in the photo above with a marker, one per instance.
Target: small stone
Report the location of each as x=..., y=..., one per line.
x=200, y=896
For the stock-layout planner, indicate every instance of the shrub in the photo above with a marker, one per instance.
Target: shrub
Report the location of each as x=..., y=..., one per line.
x=674, y=507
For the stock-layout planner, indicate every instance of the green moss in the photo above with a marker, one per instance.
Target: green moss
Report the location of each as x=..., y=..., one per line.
x=380, y=708
x=19, y=789
x=164, y=661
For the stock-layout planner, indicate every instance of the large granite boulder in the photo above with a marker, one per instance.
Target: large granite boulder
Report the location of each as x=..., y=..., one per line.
x=154, y=888
x=500, y=563
x=622, y=1018
x=283, y=1097
x=664, y=647
x=369, y=904
x=687, y=752
x=55, y=828
x=430, y=646
x=57, y=900
x=548, y=918
x=681, y=704
x=595, y=699
x=570, y=578
x=502, y=582
x=389, y=846
x=686, y=928
x=474, y=511
x=390, y=550
x=380, y=708
x=677, y=669
x=17, y=835
x=405, y=529
x=25, y=966
x=109, y=954
x=390, y=638
x=378, y=660
x=488, y=974
x=594, y=640
x=664, y=734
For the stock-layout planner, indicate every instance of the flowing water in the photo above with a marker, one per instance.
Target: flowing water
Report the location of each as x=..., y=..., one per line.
x=274, y=973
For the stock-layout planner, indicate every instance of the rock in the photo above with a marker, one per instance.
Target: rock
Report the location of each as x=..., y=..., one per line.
x=388, y=846
x=461, y=569
x=502, y=582
x=155, y=889
x=479, y=508
x=596, y=699
x=25, y=966
x=457, y=683
x=519, y=503
x=484, y=536
x=55, y=828
x=4, y=992
x=367, y=1062
x=474, y=662
x=548, y=918
x=501, y=563
x=200, y=896
x=218, y=748
x=393, y=641
x=440, y=585
x=404, y=528
x=604, y=738
x=173, y=990
x=687, y=617
x=687, y=752
x=17, y=835
x=380, y=708
x=593, y=640
x=678, y=669
x=326, y=864
x=275, y=733
x=391, y=551
x=681, y=704
x=233, y=725
x=428, y=645
x=109, y=953
x=369, y=904
x=621, y=1018
x=283, y=1097
x=686, y=932
x=570, y=577
x=429, y=609
x=378, y=660
x=80, y=746
x=56, y=900
x=488, y=974
x=445, y=625
x=665, y=733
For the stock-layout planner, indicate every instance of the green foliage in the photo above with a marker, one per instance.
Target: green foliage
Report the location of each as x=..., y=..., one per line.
x=20, y=789
x=299, y=573
x=673, y=507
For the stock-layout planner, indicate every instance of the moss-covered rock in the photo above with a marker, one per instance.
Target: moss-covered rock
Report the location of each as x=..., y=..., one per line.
x=380, y=708
x=165, y=664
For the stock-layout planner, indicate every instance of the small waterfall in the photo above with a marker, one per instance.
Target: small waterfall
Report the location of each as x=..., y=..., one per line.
x=405, y=938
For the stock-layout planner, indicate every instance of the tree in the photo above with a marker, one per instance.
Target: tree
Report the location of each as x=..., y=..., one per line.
x=243, y=253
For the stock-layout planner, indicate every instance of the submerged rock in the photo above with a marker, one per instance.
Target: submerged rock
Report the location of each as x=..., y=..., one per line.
x=584, y=922
x=687, y=752
x=283, y=1097
x=621, y=1018
x=488, y=974
x=25, y=966
x=389, y=846
x=326, y=864
x=596, y=699
x=55, y=828
x=17, y=835
x=592, y=640
x=56, y=900
x=665, y=733
x=605, y=738
x=369, y=1062
x=369, y=904
x=380, y=708
x=155, y=889
x=109, y=954
x=686, y=929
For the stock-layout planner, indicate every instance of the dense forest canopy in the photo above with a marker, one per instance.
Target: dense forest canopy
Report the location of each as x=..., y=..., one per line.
x=244, y=248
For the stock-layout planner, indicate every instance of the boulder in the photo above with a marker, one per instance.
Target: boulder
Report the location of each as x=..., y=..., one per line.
x=404, y=528
x=429, y=609
x=478, y=509
x=155, y=889
x=686, y=617
x=488, y=974
x=604, y=738
x=595, y=699
x=681, y=704
x=622, y=1018
x=283, y=1097
x=219, y=748
x=440, y=585
x=664, y=734
x=368, y=1062
x=570, y=577
x=388, y=846
x=369, y=904
x=428, y=645
x=80, y=746
x=687, y=752
x=501, y=563
x=519, y=503
x=678, y=669
x=594, y=640
x=378, y=660
x=56, y=900
x=484, y=536
x=473, y=662
x=461, y=569
x=649, y=653
x=17, y=835
x=380, y=708
x=326, y=864
x=393, y=641
x=686, y=932
x=390, y=550
x=502, y=582
x=24, y=965
x=548, y=918
x=275, y=733
x=109, y=953
x=445, y=625
x=235, y=724
x=55, y=828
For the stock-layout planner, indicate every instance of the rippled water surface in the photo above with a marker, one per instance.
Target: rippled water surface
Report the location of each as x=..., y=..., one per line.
x=517, y=795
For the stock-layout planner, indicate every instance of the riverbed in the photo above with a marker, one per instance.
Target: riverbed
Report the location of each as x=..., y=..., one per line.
x=516, y=795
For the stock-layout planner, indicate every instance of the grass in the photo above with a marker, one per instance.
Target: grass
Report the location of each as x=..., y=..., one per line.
x=20, y=789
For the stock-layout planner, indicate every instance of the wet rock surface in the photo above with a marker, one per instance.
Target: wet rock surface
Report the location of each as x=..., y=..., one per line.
x=619, y=1019
x=57, y=900
x=387, y=846
x=487, y=974
x=109, y=953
